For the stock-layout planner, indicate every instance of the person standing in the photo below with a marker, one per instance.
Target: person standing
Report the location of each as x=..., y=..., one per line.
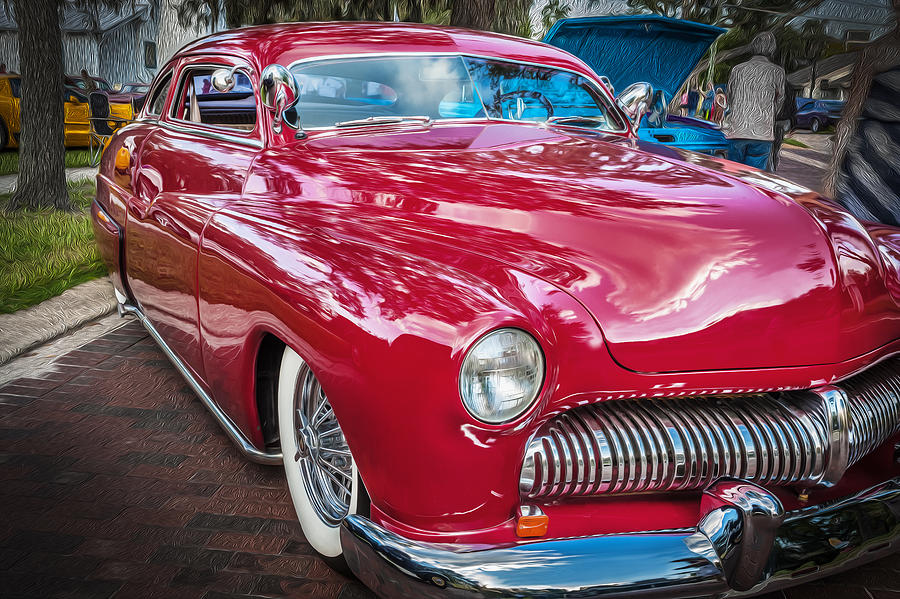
x=693, y=101
x=785, y=122
x=708, y=97
x=684, y=103
x=89, y=84
x=720, y=105
x=755, y=94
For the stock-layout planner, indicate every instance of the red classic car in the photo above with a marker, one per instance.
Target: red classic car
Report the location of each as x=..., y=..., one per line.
x=502, y=347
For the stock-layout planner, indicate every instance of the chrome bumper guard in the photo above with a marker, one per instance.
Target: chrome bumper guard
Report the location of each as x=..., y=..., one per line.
x=744, y=544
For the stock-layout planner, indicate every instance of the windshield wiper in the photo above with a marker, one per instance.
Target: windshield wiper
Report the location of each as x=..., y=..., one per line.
x=382, y=120
x=568, y=120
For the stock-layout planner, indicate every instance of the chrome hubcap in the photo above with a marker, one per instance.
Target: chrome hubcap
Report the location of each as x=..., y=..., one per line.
x=322, y=452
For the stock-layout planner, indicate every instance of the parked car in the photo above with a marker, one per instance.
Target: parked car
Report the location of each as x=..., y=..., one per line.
x=501, y=348
x=816, y=115
x=77, y=125
x=646, y=48
x=133, y=88
x=116, y=93
x=132, y=91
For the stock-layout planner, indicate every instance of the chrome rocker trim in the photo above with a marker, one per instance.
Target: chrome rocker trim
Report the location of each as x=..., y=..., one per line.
x=233, y=432
x=744, y=545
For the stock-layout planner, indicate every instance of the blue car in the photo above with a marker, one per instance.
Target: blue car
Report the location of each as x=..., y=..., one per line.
x=653, y=49
x=815, y=115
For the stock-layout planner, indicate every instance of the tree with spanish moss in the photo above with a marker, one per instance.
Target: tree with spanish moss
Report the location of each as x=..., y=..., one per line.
x=42, y=177
x=504, y=16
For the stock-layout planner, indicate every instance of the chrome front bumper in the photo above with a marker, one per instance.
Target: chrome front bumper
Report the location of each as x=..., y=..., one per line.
x=744, y=545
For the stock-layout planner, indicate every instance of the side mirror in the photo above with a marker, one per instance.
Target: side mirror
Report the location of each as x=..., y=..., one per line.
x=279, y=92
x=635, y=100
x=223, y=79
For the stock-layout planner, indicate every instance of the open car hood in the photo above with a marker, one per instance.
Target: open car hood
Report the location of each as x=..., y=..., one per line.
x=658, y=50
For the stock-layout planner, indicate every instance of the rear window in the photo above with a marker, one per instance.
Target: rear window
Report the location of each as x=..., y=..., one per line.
x=15, y=85
x=158, y=101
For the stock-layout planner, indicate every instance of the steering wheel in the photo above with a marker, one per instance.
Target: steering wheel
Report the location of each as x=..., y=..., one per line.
x=523, y=93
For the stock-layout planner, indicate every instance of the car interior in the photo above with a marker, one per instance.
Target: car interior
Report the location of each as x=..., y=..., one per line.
x=201, y=103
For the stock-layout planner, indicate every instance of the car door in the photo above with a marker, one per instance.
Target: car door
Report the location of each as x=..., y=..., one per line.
x=190, y=166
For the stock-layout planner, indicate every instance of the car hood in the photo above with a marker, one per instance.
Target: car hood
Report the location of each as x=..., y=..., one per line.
x=683, y=267
x=655, y=49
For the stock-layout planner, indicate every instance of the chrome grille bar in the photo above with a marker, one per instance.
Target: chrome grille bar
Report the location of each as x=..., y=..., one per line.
x=631, y=446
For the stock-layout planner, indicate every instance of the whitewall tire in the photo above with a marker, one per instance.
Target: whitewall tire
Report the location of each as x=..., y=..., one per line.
x=321, y=473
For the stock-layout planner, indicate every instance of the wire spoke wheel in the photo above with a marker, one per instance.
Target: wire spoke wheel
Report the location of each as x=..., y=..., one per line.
x=321, y=473
x=322, y=455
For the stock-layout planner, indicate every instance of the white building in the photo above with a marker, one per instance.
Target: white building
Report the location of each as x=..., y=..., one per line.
x=129, y=44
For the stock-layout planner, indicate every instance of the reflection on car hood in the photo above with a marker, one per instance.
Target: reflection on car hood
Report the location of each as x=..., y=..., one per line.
x=675, y=260
x=658, y=50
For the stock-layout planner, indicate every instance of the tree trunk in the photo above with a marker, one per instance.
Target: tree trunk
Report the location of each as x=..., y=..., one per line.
x=812, y=83
x=871, y=60
x=42, y=175
x=472, y=14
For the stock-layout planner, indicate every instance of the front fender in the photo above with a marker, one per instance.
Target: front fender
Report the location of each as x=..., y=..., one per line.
x=386, y=332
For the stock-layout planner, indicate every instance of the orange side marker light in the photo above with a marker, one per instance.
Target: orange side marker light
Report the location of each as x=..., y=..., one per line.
x=531, y=521
x=123, y=160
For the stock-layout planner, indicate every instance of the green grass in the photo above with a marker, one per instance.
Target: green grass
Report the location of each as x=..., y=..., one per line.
x=9, y=160
x=44, y=253
x=789, y=141
x=77, y=158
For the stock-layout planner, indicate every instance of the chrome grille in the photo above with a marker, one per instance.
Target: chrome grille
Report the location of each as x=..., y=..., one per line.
x=628, y=446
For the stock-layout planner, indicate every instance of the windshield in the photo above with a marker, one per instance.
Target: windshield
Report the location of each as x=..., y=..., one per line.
x=446, y=87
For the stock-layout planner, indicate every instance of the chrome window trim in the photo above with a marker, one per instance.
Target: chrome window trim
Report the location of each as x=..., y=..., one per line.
x=250, y=142
x=599, y=88
x=145, y=113
x=251, y=138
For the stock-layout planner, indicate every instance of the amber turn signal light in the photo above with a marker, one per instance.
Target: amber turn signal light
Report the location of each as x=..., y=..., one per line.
x=531, y=521
x=123, y=160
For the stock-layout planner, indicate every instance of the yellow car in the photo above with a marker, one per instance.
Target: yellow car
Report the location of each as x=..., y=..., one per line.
x=77, y=125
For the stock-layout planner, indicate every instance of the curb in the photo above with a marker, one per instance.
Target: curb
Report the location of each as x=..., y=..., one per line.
x=28, y=328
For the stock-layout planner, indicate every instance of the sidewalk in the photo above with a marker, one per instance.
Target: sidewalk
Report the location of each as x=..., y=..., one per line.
x=28, y=328
x=8, y=182
x=806, y=166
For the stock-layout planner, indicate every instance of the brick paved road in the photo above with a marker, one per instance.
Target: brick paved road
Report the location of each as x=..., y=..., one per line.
x=114, y=482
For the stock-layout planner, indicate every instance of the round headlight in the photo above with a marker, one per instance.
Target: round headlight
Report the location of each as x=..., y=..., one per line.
x=501, y=375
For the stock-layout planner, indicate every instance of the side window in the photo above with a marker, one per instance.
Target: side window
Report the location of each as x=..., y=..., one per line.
x=158, y=100
x=199, y=102
x=15, y=86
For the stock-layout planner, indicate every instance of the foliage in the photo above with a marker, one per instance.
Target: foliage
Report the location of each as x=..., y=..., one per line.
x=790, y=141
x=48, y=251
x=41, y=182
x=505, y=16
x=796, y=51
x=9, y=160
x=753, y=15
x=552, y=12
x=797, y=46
